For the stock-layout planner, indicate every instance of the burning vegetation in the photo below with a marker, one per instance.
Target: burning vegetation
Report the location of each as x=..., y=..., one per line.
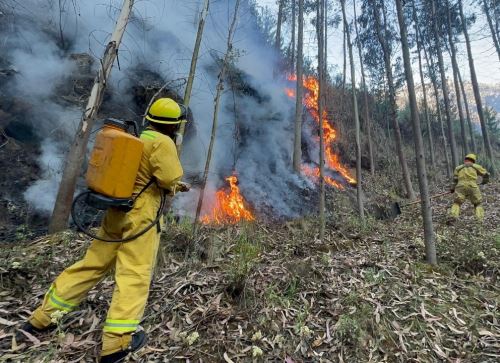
x=230, y=206
x=311, y=85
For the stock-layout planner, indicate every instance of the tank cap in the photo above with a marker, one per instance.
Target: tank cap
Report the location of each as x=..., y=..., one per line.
x=116, y=123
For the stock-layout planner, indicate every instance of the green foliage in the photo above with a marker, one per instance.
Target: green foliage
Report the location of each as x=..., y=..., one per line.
x=246, y=252
x=469, y=250
x=492, y=123
x=348, y=329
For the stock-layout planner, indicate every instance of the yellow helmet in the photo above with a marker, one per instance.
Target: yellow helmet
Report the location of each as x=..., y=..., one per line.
x=471, y=157
x=166, y=111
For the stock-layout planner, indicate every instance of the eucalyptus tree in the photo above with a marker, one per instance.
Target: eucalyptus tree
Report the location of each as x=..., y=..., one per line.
x=475, y=84
x=430, y=247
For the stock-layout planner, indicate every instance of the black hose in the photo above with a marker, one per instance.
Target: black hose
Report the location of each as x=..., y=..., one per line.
x=121, y=240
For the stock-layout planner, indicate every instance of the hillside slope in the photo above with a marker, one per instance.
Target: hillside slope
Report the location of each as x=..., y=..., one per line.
x=267, y=292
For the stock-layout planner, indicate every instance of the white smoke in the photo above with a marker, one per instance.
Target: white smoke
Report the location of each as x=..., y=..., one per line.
x=161, y=37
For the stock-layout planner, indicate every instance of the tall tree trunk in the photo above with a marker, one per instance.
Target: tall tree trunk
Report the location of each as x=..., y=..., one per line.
x=344, y=64
x=76, y=154
x=278, y=26
x=424, y=89
x=444, y=87
x=467, y=113
x=368, y=123
x=320, y=29
x=220, y=88
x=359, y=190
x=431, y=67
x=454, y=65
x=475, y=87
x=292, y=45
x=392, y=102
x=299, y=107
x=430, y=247
x=192, y=70
x=494, y=35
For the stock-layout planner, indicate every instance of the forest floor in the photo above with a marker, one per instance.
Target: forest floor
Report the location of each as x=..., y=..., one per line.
x=274, y=292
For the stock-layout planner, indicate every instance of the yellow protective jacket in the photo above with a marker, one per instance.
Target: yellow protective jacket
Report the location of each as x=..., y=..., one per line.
x=466, y=175
x=132, y=262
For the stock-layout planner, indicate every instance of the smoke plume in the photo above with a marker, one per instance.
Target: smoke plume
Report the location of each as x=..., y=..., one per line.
x=255, y=134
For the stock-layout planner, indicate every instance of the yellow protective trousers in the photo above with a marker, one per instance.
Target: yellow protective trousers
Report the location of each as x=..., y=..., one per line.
x=133, y=263
x=469, y=192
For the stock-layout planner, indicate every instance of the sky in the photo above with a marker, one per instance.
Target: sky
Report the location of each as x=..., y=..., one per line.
x=485, y=58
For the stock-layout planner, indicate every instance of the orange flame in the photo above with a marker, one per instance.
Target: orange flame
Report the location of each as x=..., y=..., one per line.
x=311, y=84
x=230, y=207
x=313, y=173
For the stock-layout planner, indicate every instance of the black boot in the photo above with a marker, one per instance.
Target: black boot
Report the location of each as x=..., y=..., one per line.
x=31, y=329
x=139, y=340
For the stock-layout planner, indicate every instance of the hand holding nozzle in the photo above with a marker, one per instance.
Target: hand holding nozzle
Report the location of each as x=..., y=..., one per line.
x=183, y=187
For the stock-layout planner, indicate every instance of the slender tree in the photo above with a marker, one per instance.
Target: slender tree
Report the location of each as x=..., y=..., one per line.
x=444, y=85
x=355, y=110
x=344, y=53
x=292, y=44
x=424, y=88
x=321, y=78
x=454, y=65
x=76, y=154
x=432, y=72
x=430, y=247
x=494, y=34
x=280, y=22
x=475, y=86
x=297, y=149
x=382, y=38
x=467, y=113
x=368, y=123
x=192, y=69
x=220, y=88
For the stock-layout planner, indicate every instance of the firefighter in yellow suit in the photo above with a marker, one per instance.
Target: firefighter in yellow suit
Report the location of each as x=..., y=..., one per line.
x=133, y=262
x=465, y=186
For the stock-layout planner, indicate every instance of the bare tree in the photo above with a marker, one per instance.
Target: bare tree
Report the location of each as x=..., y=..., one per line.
x=192, y=69
x=392, y=101
x=220, y=88
x=299, y=108
x=76, y=154
x=430, y=247
x=359, y=190
x=475, y=86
